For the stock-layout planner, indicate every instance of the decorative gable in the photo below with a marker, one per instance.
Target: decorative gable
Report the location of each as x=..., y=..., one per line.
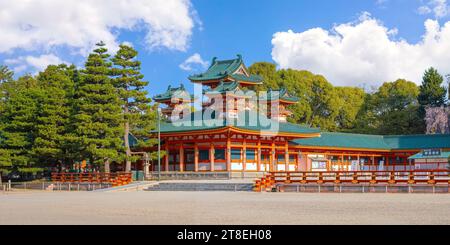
x=242, y=70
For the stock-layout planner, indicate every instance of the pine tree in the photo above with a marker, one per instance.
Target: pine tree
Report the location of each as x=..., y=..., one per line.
x=18, y=110
x=137, y=111
x=56, y=89
x=18, y=131
x=5, y=74
x=98, y=112
x=432, y=92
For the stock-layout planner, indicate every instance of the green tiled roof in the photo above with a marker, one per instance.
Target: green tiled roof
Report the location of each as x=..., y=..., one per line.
x=223, y=87
x=282, y=94
x=252, y=78
x=169, y=127
x=394, y=142
x=220, y=69
x=244, y=121
x=444, y=154
x=171, y=92
x=344, y=140
x=418, y=141
x=269, y=125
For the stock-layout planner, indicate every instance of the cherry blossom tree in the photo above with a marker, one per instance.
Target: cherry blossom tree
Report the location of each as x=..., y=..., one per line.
x=437, y=120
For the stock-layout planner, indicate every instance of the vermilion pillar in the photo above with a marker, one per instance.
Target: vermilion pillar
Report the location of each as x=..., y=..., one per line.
x=181, y=158
x=195, y=157
x=228, y=153
x=286, y=156
x=244, y=155
x=258, y=155
x=166, y=162
x=211, y=156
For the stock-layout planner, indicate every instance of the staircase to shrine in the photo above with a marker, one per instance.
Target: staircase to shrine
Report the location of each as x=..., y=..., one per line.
x=205, y=185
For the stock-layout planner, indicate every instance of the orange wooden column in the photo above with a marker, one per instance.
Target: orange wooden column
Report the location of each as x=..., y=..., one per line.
x=272, y=157
x=373, y=163
x=359, y=163
x=286, y=156
x=211, y=156
x=181, y=158
x=258, y=155
x=166, y=160
x=195, y=157
x=244, y=154
x=228, y=153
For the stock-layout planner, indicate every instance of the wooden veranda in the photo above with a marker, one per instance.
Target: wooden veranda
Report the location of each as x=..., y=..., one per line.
x=423, y=177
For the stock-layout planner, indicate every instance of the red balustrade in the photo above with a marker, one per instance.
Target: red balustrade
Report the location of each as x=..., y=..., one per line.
x=116, y=179
x=429, y=177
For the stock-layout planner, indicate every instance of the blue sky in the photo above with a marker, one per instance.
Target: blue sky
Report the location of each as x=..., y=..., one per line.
x=224, y=28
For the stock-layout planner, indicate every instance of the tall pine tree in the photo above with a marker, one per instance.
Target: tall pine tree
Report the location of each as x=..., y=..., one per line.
x=138, y=114
x=98, y=112
x=18, y=110
x=6, y=75
x=56, y=90
x=18, y=129
x=431, y=93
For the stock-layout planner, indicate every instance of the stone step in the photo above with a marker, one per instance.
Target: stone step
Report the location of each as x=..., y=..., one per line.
x=201, y=187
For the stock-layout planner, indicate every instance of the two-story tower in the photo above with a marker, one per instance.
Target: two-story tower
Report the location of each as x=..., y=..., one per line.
x=281, y=99
x=228, y=83
x=176, y=100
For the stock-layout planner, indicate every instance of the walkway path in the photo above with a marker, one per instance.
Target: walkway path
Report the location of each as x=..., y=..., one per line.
x=143, y=207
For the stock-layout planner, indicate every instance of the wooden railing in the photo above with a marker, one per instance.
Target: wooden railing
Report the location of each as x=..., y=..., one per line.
x=430, y=177
x=116, y=179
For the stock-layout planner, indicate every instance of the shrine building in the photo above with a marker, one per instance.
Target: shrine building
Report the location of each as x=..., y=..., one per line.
x=236, y=129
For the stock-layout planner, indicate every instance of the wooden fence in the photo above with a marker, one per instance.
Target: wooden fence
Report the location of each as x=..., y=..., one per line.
x=428, y=177
x=115, y=179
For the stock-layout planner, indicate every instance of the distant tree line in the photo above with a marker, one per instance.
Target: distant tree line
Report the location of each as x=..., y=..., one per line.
x=64, y=114
x=397, y=107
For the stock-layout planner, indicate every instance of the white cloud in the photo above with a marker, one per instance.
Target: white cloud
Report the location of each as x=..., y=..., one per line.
x=424, y=10
x=381, y=2
x=36, y=63
x=363, y=52
x=79, y=24
x=129, y=44
x=439, y=8
x=41, y=62
x=193, y=62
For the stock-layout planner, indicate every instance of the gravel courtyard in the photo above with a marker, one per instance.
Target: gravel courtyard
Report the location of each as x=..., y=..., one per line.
x=141, y=207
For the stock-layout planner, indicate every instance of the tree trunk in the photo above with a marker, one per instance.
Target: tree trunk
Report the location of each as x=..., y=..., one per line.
x=127, y=143
x=107, y=166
